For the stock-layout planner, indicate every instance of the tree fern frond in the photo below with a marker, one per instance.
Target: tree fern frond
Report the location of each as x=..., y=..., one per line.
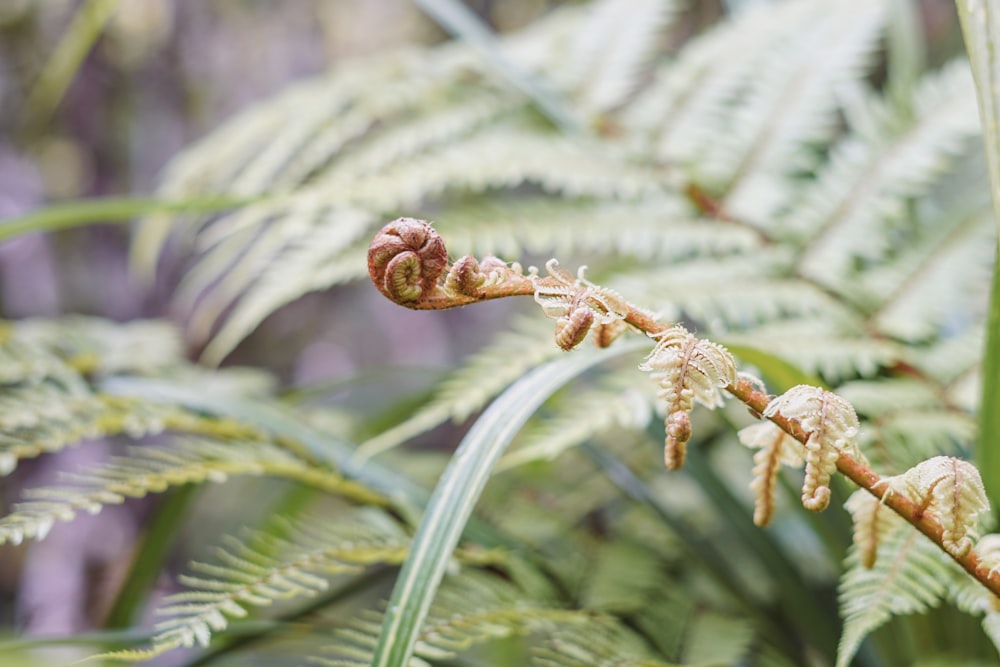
x=910, y=576
x=820, y=350
x=691, y=100
x=907, y=437
x=791, y=107
x=906, y=422
x=264, y=569
x=949, y=283
x=843, y=213
x=46, y=418
x=474, y=383
x=611, y=47
x=877, y=397
x=96, y=346
x=153, y=470
x=655, y=228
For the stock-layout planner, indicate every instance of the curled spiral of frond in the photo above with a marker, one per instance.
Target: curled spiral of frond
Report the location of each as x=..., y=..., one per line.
x=952, y=491
x=406, y=258
x=689, y=370
x=774, y=447
x=832, y=426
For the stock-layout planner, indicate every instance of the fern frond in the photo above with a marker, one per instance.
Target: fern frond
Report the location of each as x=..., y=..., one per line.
x=265, y=569
x=692, y=99
x=843, y=214
x=791, y=107
x=153, y=470
x=623, y=578
x=910, y=576
x=654, y=228
x=610, y=49
x=46, y=418
x=834, y=355
x=832, y=428
x=950, y=279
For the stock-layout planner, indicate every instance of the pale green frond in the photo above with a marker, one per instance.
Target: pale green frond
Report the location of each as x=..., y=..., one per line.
x=474, y=383
x=906, y=437
x=817, y=348
x=97, y=346
x=615, y=404
x=950, y=283
x=610, y=49
x=653, y=229
x=790, y=107
x=715, y=639
x=150, y=469
x=951, y=358
x=877, y=397
x=910, y=575
x=264, y=569
x=45, y=418
x=690, y=102
x=843, y=214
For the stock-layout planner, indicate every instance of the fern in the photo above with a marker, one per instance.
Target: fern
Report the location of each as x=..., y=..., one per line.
x=265, y=569
x=153, y=470
x=910, y=576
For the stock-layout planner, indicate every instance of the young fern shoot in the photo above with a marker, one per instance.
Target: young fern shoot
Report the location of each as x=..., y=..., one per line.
x=942, y=498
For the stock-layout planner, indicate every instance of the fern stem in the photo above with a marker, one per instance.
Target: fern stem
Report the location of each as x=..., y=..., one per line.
x=513, y=283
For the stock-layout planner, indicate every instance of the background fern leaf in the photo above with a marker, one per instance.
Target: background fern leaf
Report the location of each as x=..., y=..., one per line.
x=153, y=470
x=909, y=576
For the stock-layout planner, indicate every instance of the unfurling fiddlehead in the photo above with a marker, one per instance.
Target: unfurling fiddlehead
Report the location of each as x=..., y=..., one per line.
x=406, y=259
x=408, y=263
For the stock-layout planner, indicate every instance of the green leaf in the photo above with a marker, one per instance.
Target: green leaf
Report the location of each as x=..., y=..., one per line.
x=981, y=28
x=456, y=494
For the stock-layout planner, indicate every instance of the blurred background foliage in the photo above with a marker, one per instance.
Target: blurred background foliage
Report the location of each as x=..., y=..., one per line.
x=145, y=79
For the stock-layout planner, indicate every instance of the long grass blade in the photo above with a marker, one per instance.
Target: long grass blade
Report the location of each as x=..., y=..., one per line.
x=456, y=494
x=981, y=28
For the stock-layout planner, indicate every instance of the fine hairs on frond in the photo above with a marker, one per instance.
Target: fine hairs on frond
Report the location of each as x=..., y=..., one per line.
x=688, y=370
x=774, y=448
x=872, y=522
x=832, y=426
x=951, y=490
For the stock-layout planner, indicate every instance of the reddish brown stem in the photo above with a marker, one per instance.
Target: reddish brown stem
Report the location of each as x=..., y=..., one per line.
x=516, y=284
